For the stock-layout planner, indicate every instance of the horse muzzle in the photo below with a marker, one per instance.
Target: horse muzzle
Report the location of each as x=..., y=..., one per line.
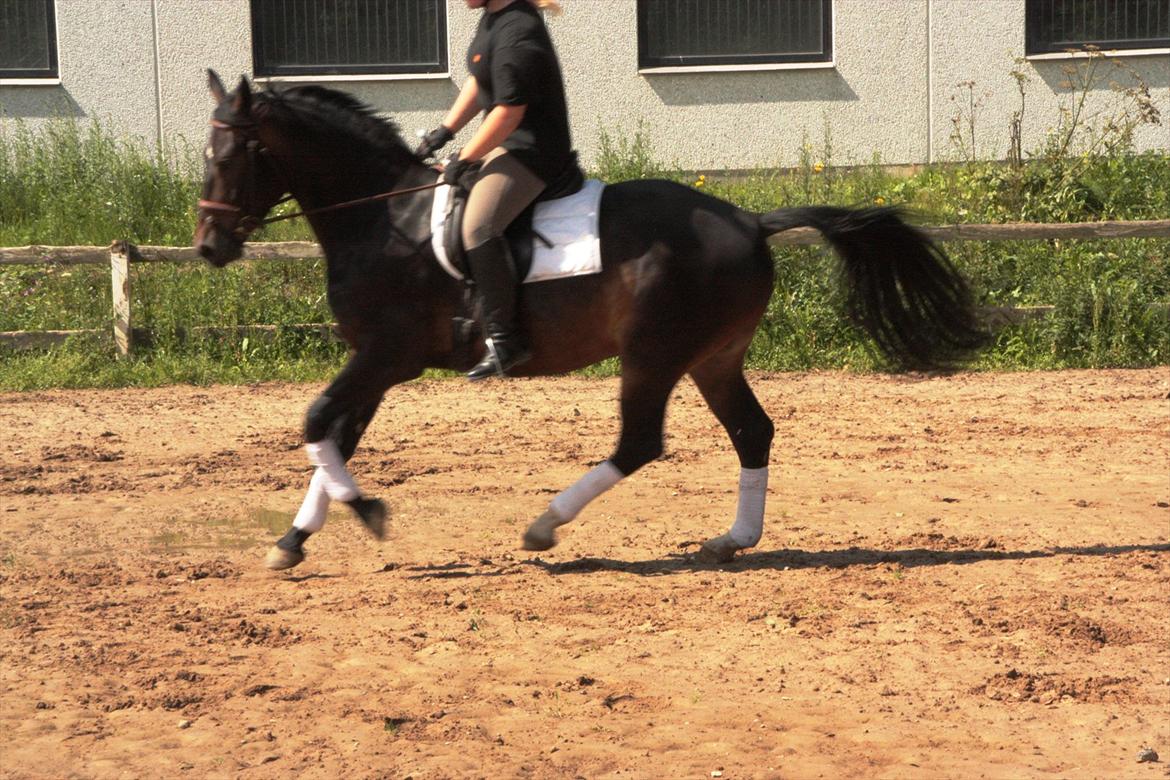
x=216, y=245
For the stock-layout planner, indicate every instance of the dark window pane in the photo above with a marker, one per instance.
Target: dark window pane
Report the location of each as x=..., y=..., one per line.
x=733, y=32
x=305, y=37
x=28, y=39
x=1057, y=25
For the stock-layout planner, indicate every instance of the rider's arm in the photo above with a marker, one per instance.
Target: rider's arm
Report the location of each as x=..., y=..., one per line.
x=465, y=108
x=497, y=126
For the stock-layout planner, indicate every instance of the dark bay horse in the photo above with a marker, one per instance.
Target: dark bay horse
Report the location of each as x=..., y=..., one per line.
x=685, y=280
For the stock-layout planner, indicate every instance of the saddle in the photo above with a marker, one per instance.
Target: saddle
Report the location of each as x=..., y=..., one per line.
x=520, y=234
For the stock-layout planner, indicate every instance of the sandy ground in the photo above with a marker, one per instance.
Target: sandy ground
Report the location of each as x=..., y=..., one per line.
x=960, y=577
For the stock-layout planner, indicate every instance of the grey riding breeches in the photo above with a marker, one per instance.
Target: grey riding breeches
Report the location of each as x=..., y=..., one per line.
x=504, y=189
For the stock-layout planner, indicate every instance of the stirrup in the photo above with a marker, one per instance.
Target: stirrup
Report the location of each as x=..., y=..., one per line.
x=492, y=365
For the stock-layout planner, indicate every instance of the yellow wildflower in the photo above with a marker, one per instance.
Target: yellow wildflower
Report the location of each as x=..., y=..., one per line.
x=818, y=167
x=701, y=181
x=879, y=200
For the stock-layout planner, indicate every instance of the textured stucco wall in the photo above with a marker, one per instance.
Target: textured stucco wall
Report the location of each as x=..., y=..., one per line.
x=897, y=64
x=981, y=41
x=195, y=35
x=875, y=99
x=106, y=55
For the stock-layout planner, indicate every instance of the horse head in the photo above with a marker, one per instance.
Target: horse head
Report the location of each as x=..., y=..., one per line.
x=240, y=185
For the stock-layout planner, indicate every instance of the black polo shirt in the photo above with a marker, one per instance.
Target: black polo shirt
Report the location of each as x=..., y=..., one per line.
x=514, y=63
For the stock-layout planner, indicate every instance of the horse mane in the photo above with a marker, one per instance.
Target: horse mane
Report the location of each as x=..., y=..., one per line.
x=339, y=113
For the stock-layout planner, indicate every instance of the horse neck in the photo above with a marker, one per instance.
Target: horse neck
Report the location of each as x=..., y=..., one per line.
x=322, y=175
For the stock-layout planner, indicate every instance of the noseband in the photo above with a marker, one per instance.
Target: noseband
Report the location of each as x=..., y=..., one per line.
x=246, y=221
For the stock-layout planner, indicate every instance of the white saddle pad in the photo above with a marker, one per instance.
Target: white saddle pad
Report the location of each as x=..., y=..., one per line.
x=570, y=224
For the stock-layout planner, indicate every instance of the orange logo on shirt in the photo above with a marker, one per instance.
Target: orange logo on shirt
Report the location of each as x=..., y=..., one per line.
x=477, y=58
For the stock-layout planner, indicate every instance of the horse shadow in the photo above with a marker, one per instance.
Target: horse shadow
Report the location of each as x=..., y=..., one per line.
x=775, y=560
x=790, y=559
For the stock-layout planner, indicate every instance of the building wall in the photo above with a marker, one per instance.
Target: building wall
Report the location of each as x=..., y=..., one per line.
x=981, y=41
x=140, y=66
x=106, y=54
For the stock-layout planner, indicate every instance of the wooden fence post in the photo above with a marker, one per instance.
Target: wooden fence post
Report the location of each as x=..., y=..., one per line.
x=120, y=284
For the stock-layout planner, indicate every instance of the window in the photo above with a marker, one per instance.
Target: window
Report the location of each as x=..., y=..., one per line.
x=1058, y=25
x=28, y=39
x=343, y=37
x=733, y=32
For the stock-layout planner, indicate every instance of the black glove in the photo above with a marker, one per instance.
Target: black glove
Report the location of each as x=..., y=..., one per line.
x=433, y=142
x=460, y=173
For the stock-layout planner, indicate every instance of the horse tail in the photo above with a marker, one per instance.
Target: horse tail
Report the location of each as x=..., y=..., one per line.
x=901, y=288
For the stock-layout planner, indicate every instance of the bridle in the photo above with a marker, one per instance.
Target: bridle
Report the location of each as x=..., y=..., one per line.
x=246, y=221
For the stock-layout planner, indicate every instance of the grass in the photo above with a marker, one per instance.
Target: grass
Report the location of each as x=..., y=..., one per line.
x=72, y=184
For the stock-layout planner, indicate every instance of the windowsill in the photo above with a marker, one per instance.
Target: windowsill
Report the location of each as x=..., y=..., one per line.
x=735, y=68
x=40, y=82
x=356, y=77
x=1082, y=55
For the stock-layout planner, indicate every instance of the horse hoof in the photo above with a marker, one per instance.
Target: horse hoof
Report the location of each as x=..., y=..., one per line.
x=542, y=534
x=279, y=559
x=372, y=513
x=537, y=543
x=721, y=549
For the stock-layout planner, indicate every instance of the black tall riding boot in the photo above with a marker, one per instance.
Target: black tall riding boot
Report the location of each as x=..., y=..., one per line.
x=491, y=267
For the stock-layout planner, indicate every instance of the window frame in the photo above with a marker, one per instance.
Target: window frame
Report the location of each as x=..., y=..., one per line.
x=53, y=71
x=735, y=61
x=388, y=70
x=1035, y=47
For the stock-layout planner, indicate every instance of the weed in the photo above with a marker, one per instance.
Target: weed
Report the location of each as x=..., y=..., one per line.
x=68, y=183
x=623, y=158
x=394, y=725
x=168, y=539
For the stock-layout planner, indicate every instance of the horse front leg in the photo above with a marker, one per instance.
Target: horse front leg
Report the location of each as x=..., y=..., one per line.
x=333, y=427
x=345, y=434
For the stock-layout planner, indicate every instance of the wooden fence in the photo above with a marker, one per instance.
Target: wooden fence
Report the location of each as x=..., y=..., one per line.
x=122, y=253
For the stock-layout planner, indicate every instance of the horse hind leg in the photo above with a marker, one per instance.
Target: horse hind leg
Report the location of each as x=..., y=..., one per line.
x=721, y=381
x=643, y=406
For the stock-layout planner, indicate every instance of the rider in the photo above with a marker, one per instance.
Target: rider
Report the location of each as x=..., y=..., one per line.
x=525, y=150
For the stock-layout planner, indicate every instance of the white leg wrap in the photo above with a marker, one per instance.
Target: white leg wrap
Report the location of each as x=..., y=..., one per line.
x=337, y=481
x=749, y=515
x=311, y=516
x=572, y=500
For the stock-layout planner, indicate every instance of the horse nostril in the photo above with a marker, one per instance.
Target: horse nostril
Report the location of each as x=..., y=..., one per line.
x=206, y=249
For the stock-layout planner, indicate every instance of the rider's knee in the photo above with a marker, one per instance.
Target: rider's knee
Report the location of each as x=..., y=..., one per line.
x=478, y=235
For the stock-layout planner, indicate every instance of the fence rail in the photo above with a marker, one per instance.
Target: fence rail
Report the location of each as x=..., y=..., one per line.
x=121, y=254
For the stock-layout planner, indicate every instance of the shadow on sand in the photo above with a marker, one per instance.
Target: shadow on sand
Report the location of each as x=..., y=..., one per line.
x=777, y=560
x=780, y=560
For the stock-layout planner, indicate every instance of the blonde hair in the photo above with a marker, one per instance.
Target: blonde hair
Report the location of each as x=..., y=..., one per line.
x=552, y=6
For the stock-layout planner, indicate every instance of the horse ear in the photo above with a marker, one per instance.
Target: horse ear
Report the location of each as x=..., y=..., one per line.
x=243, y=103
x=216, y=86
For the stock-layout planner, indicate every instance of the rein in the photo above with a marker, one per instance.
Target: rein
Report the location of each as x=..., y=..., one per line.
x=247, y=223
x=348, y=203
